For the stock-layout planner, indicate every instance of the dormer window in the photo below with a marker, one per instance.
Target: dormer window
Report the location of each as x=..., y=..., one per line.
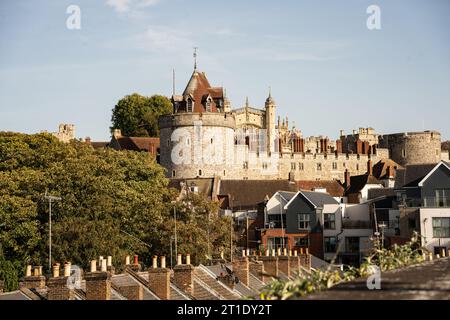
x=208, y=105
x=189, y=105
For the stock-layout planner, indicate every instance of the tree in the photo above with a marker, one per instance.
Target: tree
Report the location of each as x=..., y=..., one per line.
x=109, y=200
x=137, y=115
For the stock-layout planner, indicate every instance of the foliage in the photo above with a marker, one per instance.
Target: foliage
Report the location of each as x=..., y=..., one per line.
x=385, y=259
x=137, y=116
x=113, y=203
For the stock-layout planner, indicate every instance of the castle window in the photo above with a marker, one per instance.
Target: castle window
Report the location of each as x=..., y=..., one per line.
x=212, y=140
x=208, y=105
x=264, y=165
x=245, y=165
x=173, y=173
x=357, y=166
x=168, y=143
x=224, y=173
x=335, y=165
x=319, y=167
x=200, y=172
x=404, y=153
x=293, y=166
x=300, y=166
x=189, y=105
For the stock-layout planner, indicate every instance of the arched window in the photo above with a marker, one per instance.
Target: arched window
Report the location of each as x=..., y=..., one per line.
x=208, y=105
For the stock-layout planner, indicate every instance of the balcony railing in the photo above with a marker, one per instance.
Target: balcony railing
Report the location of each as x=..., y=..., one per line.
x=434, y=202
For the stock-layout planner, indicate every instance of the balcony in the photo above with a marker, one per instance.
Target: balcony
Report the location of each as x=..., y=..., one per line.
x=434, y=202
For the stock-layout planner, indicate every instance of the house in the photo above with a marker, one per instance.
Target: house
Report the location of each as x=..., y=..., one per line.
x=148, y=144
x=423, y=196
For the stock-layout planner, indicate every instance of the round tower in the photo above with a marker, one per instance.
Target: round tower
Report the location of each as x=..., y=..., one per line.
x=270, y=108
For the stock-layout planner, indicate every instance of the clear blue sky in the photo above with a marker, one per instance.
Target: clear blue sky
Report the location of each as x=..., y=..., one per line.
x=326, y=69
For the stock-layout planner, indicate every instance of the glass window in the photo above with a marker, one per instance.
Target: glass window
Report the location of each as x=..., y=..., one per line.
x=301, y=242
x=319, y=167
x=189, y=105
x=329, y=221
x=352, y=244
x=441, y=227
x=300, y=166
x=335, y=165
x=330, y=244
x=303, y=220
x=293, y=166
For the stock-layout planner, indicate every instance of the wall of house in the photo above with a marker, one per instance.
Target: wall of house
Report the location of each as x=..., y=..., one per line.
x=426, y=227
x=440, y=179
x=300, y=205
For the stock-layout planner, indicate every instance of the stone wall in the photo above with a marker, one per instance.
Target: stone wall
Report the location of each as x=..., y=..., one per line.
x=413, y=147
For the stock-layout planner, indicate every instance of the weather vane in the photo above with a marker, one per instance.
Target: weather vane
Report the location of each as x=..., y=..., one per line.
x=195, y=58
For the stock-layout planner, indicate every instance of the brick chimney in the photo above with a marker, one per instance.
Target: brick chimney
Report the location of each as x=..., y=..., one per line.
x=283, y=263
x=57, y=284
x=270, y=264
x=294, y=263
x=135, y=266
x=33, y=279
x=98, y=283
x=184, y=275
x=369, y=168
x=257, y=269
x=159, y=279
x=347, y=178
x=241, y=269
x=109, y=266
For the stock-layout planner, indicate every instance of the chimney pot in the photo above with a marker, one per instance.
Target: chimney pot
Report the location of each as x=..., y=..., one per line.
x=307, y=250
x=295, y=253
x=188, y=259
x=179, y=259
x=221, y=255
x=248, y=253
x=284, y=252
x=136, y=261
x=273, y=252
x=267, y=252
x=290, y=252
x=93, y=265
x=163, y=262
x=109, y=261
x=67, y=269
x=243, y=253
x=127, y=260
x=103, y=266
x=155, y=262
x=278, y=252
x=301, y=250
x=28, y=272
x=56, y=270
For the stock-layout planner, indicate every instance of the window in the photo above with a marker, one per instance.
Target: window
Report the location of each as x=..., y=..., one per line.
x=412, y=223
x=335, y=166
x=329, y=221
x=330, y=244
x=442, y=197
x=303, y=220
x=319, y=167
x=245, y=165
x=302, y=242
x=264, y=165
x=208, y=105
x=404, y=153
x=300, y=166
x=173, y=173
x=293, y=166
x=357, y=167
x=200, y=172
x=224, y=173
x=189, y=105
x=352, y=244
x=276, y=242
x=441, y=227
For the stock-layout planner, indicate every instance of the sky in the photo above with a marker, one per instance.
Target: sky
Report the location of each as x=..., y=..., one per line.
x=326, y=69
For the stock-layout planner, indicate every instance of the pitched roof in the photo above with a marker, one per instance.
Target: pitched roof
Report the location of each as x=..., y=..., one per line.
x=412, y=174
x=139, y=143
x=198, y=87
x=333, y=187
x=380, y=169
x=247, y=194
x=319, y=198
x=358, y=182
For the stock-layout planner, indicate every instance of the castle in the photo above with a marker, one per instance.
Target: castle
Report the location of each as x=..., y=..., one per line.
x=205, y=138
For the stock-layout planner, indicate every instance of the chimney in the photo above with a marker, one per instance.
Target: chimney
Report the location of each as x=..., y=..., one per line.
x=391, y=172
x=257, y=269
x=159, y=279
x=294, y=264
x=98, y=283
x=270, y=264
x=347, y=178
x=136, y=267
x=284, y=264
x=109, y=265
x=33, y=280
x=184, y=276
x=369, y=168
x=57, y=285
x=241, y=270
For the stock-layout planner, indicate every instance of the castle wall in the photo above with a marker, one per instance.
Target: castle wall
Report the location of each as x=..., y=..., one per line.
x=413, y=147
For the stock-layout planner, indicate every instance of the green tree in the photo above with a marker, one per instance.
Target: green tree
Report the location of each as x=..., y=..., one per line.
x=137, y=115
x=109, y=199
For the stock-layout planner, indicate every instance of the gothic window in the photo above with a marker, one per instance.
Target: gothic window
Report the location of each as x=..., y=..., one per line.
x=319, y=167
x=173, y=173
x=334, y=165
x=300, y=166
x=293, y=166
x=245, y=165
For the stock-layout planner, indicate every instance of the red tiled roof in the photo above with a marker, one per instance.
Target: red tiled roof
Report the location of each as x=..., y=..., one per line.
x=199, y=88
x=333, y=187
x=149, y=144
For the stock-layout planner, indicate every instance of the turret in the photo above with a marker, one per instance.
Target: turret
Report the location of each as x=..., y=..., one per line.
x=270, y=122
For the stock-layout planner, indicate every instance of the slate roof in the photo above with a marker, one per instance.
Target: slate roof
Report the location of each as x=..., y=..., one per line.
x=357, y=183
x=380, y=169
x=149, y=144
x=412, y=174
x=318, y=198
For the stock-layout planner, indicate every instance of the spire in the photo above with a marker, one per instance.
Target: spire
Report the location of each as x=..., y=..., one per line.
x=246, y=102
x=195, y=58
x=270, y=92
x=269, y=99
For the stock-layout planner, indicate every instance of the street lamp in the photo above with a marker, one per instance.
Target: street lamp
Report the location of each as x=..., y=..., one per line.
x=50, y=200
